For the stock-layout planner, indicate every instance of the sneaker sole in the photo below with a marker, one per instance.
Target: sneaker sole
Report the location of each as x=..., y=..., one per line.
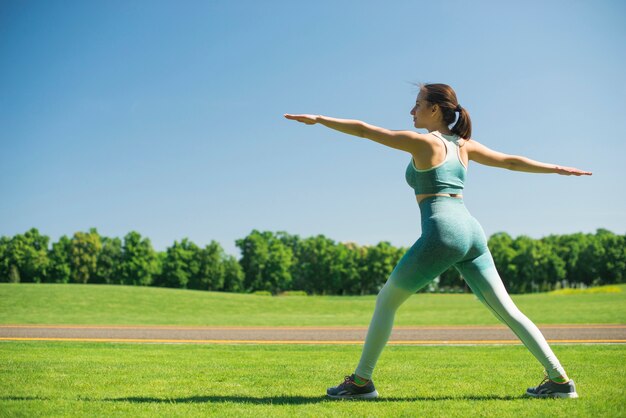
x=571, y=395
x=370, y=395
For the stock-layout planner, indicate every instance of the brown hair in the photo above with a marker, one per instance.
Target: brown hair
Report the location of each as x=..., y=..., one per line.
x=445, y=97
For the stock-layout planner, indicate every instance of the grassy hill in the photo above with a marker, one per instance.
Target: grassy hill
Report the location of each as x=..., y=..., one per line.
x=26, y=303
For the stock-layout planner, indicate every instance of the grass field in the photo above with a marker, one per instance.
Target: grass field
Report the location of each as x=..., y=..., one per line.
x=105, y=304
x=89, y=379
x=115, y=379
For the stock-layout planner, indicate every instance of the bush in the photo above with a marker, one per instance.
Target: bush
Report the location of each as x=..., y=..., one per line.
x=293, y=293
x=262, y=293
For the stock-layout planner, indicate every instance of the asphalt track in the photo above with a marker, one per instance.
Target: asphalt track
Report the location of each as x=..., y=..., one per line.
x=401, y=335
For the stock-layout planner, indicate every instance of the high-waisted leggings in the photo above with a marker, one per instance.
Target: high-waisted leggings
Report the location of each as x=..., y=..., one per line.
x=451, y=236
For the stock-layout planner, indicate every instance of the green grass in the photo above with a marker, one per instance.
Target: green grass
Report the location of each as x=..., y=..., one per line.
x=599, y=289
x=112, y=379
x=106, y=304
x=115, y=379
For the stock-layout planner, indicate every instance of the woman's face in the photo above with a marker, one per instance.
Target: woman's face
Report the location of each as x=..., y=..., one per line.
x=421, y=112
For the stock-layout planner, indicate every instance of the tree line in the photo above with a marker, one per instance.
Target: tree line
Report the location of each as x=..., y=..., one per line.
x=279, y=262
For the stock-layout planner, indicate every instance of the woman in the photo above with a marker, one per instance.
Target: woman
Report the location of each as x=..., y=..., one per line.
x=451, y=236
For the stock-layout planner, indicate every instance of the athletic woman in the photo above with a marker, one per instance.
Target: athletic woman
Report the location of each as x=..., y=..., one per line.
x=451, y=236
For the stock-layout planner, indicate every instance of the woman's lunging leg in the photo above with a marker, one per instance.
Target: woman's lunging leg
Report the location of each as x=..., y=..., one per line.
x=438, y=248
x=424, y=261
x=388, y=301
x=482, y=277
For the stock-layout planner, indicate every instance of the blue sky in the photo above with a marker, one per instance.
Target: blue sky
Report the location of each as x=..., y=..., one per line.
x=166, y=117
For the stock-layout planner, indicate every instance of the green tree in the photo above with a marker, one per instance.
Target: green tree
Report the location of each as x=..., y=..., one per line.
x=254, y=257
x=25, y=257
x=380, y=261
x=266, y=262
x=294, y=243
x=5, y=265
x=180, y=265
x=139, y=260
x=589, y=268
x=568, y=248
x=84, y=249
x=233, y=275
x=613, y=266
x=14, y=274
x=350, y=256
x=60, y=270
x=291, y=241
x=278, y=267
x=109, y=261
x=314, y=268
x=503, y=251
x=211, y=270
x=539, y=267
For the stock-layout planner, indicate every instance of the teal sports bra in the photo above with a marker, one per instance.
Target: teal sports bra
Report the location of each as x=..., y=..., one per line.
x=446, y=177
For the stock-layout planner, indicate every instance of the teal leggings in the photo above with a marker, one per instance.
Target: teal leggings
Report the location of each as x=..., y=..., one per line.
x=451, y=236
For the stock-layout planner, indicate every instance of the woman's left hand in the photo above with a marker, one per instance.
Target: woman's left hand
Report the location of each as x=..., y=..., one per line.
x=569, y=171
x=308, y=119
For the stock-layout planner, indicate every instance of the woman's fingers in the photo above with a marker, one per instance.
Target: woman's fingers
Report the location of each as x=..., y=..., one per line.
x=308, y=119
x=296, y=117
x=580, y=172
x=568, y=171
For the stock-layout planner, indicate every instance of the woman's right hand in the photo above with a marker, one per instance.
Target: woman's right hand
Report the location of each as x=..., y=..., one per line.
x=570, y=171
x=308, y=119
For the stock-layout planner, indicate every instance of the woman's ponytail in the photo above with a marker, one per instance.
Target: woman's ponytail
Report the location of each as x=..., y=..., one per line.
x=463, y=125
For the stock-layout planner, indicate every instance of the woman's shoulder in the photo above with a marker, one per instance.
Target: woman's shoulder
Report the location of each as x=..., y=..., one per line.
x=468, y=143
x=458, y=140
x=462, y=142
x=471, y=144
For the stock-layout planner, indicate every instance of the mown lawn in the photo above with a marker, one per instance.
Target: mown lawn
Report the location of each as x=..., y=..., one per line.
x=113, y=379
x=106, y=304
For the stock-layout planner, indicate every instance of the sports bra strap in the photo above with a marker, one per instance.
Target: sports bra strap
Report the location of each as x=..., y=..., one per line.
x=440, y=136
x=446, y=177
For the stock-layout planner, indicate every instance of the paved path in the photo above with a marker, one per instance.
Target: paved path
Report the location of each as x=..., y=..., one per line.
x=407, y=335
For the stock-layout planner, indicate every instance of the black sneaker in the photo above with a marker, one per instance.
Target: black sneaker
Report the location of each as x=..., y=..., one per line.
x=549, y=389
x=349, y=390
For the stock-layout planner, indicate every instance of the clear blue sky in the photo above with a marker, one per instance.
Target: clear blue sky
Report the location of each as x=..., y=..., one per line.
x=166, y=117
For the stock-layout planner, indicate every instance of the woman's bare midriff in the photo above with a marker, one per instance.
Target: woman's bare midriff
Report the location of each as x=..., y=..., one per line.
x=420, y=197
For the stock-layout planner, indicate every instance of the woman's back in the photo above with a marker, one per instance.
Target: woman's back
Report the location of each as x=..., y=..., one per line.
x=446, y=176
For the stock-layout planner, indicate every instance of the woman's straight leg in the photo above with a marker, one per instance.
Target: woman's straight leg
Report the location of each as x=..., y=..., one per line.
x=482, y=277
x=388, y=301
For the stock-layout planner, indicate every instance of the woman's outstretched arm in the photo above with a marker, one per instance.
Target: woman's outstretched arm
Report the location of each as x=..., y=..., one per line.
x=408, y=141
x=483, y=155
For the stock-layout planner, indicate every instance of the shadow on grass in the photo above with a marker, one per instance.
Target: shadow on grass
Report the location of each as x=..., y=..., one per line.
x=274, y=400
x=282, y=400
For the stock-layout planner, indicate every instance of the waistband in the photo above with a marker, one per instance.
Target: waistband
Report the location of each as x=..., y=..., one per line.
x=437, y=199
x=433, y=204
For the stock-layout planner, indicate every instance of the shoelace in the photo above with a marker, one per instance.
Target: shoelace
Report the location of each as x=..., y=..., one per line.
x=545, y=380
x=347, y=379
